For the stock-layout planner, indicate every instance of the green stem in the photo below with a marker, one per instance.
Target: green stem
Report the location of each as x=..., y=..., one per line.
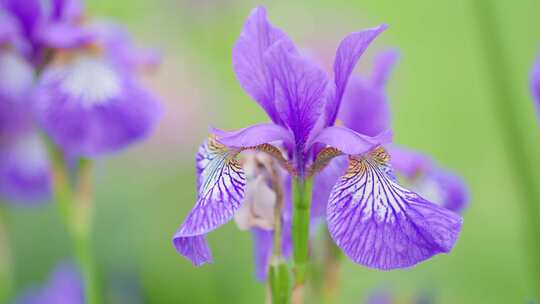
x=278, y=273
x=6, y=277
x=300, y=235
x=515, y=143
x=75, y=205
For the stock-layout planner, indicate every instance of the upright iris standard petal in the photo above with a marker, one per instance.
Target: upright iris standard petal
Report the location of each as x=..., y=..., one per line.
x=28, y=13
x=89, y=108
x=300, y=89
x=348, y=53
x=535, y=84
x=253, y=74
x=379, y=224
x=221, y=185
x=365, y=108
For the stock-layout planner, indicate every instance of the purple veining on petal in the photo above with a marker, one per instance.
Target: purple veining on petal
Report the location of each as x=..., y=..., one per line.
x=379, y=224
x=535, y=85
x=221, y=182
x=300, y=89
x=349, y=51
x=248, y=63
x=349, y=141
x=194, y=248
x=89, y=108
x=253, y=135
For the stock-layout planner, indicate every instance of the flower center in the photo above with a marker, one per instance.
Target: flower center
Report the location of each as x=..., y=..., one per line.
x=92, y=81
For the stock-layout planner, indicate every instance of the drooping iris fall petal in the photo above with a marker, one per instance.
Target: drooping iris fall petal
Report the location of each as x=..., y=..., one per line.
x=221, y=184
x=379, y=224
x=89, y=108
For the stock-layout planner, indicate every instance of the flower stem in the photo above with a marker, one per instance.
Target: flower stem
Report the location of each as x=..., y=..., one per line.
x=300, y=235
x=278, y=273
x=75, y=205
x=6, y=278
x=515, y=144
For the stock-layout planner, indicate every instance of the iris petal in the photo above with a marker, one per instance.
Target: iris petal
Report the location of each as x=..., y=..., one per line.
x=221, y=183
x=195, y=248
x=349, y=141
x=253, y=135
x=379, y=224
x=252, y=73
x=300, y=89
x=349, y=51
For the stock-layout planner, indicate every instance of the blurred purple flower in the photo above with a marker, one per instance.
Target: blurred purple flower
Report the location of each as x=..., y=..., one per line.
x=24, y=169
x=49, y=24
x=535, y=84
x=87, y=98
x=64, y=286
x=376, y=222
x=89, y=107
x=365, y=109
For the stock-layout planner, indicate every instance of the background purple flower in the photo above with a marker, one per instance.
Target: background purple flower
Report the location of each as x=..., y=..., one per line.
x=88, y=107
x=64, y=286
x=535, y=84
x=24, y=169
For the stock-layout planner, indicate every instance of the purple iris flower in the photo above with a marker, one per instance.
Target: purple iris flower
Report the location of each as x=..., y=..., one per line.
x=366, y=110
x=535, y=84
x=64, y=286
x=88, y=106
x=24, y=169
x=49, y=24
x=374, y=220
x=86, y=99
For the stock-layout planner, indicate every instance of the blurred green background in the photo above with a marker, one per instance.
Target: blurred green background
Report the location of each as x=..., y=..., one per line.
x=442, y=104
